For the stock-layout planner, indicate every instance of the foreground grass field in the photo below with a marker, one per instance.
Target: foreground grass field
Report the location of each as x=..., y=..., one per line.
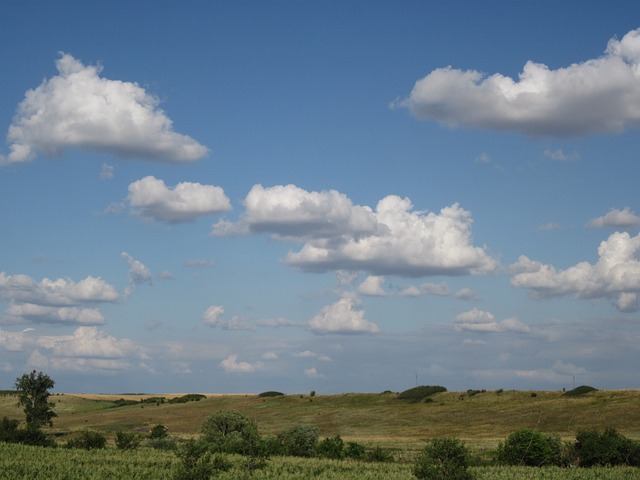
x=19, y=462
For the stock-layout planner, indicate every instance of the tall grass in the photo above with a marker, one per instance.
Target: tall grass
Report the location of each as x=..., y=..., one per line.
x=18, y=462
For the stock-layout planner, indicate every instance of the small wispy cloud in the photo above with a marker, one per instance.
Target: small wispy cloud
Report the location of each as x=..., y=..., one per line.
x=548, y=227
x=560, y=156
x=106, y=172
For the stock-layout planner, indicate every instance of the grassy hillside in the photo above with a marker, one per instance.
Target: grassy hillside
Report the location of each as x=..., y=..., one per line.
x=482, y=419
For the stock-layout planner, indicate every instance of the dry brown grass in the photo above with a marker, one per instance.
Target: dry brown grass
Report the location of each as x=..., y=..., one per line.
x=483, y=419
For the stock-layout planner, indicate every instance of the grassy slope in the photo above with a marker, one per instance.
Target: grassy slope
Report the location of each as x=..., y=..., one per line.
x=483, y=419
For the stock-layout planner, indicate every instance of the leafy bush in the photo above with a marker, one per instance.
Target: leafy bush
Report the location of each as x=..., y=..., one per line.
x=443, y=459
x=127, y=440
x=271, y=394
x=331, y=447
x=88, y=440
x=354, y=450
x=298, y=441
x=418, y=394
x=605, y=448
x=197, y=462
x=378, y=454
x=11, y=433
x=158, y=432
x=229, y=431
x=166, y=443
x=529, y=447
x=9, y=430
x=578, y=391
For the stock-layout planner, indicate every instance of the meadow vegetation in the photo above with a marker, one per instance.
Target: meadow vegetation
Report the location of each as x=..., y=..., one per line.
x=474, y=434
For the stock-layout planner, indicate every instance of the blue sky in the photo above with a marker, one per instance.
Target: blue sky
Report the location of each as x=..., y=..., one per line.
x=330, y=196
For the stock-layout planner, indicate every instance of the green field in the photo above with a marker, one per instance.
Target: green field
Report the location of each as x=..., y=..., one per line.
x=19, y=462
x=481, y=420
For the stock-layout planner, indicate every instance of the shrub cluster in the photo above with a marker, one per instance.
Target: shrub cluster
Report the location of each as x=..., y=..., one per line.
x=127, y=440
x=579, y=391
x=419, y=394
x=443, y=459
x=11, y=433
x=190, y=397
x=591, y=448
x=530, y=448
x=606, y=448
x=88, y=440
x=271, y=393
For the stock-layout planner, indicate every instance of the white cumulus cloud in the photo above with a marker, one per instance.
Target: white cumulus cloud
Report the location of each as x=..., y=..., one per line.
x=54, y=301
x=212, y=315
x=80, y=109
x=88, y=342
x=412, y=243
x=616, y=218
x=372, y=286
x=213, y=318
x=342, y=317
x=337, y=235
x=615, y=275
x=289, y=211
x=87, y=349
x=231, y=365
x=18, y=312
x=151, y=198
x=598, y=95
x=58, y=292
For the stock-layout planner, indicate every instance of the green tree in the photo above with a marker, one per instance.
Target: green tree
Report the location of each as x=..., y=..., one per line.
x=229, y=431
x=33, y=395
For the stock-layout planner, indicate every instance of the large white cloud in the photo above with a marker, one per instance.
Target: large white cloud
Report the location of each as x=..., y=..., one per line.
x=599, y=95
x=151, y=198
x=393, y=239
x=342, y=317
x=79, y=109
x=615, y=275
x=287, y=210
x=411, y=243
x=616, y=218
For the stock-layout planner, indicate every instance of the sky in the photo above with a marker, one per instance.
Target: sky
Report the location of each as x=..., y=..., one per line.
x=338, y=196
